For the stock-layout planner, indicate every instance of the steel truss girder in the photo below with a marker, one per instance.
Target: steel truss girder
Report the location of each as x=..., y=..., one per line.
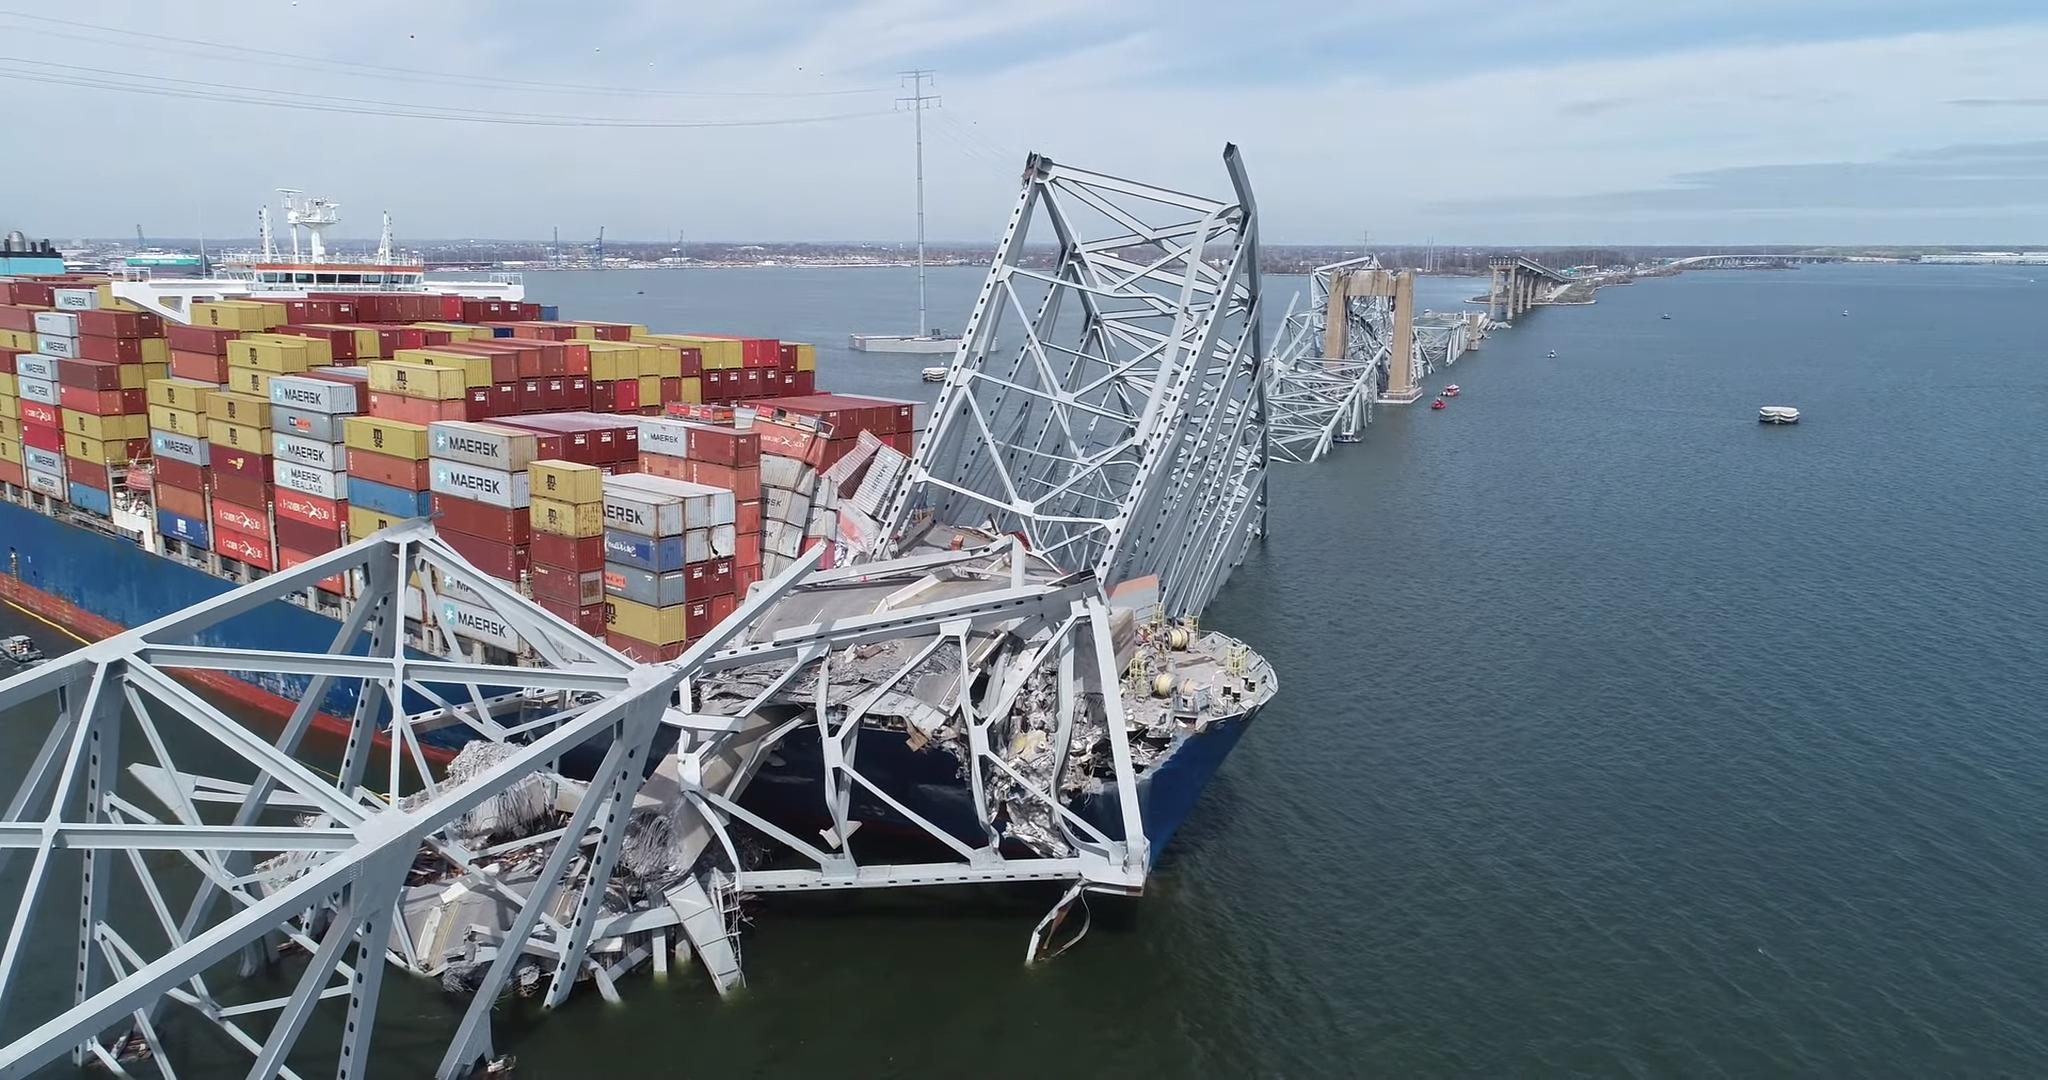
x=1126, y=434
x=1316, y=400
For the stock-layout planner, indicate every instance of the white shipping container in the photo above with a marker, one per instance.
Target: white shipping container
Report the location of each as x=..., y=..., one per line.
x=307, y=480
x=57, y=345
x=313, y=395
x=178, y=447
x=477, y=624
x=48, y=461
x=76, y=299
x=783, y=472
x=780, y=505
x=319, y=455
x=48, y=483
x=642, y=513
x=36, y=366
x=486, y=446
x=782, y=538
x=505, y=490
x=661, y=435
x=43, y=390
x=705, y=505
x=57, y=323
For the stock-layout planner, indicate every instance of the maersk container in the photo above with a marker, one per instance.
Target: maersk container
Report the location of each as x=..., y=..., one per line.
x=75, y=299
x=186, y=448
x=90, y=498
x=307, y=480
x=42, y=390
x=49, y=483
x=57, y=324
x=648, y=553
x=314, y=395
x=179, y=527
x=660, y=435
x=329, y=456
x=317, y=426
x=486, y=446
x=384, y=499
x=36, y=366
x=36, y=459
x=493, y=487
x=57, y=345
x=478, y=624
x=703, y=505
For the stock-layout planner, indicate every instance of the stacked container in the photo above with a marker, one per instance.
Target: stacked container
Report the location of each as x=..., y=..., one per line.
x=665, y=543
x=481, y=493
x=412, y=388
x=103, y=396
x=567, y=554
x=42, y=424
x=239, y=478
x=181, y=454
x=11, y=471
x=387, y=473
x=310, y=456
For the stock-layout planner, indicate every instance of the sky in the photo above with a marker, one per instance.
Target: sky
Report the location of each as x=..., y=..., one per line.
x=1402, y=121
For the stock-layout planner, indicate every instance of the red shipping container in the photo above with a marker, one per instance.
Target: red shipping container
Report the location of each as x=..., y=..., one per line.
x=18, y=318
x=206, y=340
x=386, y=469
x=697, y=620
x=341, y=341
x=903, y=442
x=478, y=401
x=120, y=324
x=483, y=521
x=532, y=356
x=567, y=553
x=181, y=474
x=318, y=539
x=744, y=577
x=287, y=558
x=415, y=410
x=722, y=607
x=180, y=500
x=577, y=395
x=724, y=446
x=805, y=382
x=11, y=472
x=42, y=437
x=297, y=506
x=391, y=338
x=7, y=360
x=589, y=618
x=33, y=294
x=747, y=515
x=119, y=350
x=505, y=399
x=35, y=412
x=752, y=383
x=199, y=367
x=236, y=517
x=745, y=484
x=671, y=390
x=501, y=561
x=747, y=548
x=554, y=441
x=575, y=358
x=91, y=474
x=103, y=402
x=240, y=464
x=504, y=359
x=662, y=465
x=576, y=588
x=254, y=550
x=90, y=374
x=644, y=652
x=237, y=489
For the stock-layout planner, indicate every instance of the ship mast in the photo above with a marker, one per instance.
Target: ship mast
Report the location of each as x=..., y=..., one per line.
x=384, y=242
x=916, y=103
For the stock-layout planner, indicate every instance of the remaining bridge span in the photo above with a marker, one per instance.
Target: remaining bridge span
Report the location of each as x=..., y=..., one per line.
x=1520, y=283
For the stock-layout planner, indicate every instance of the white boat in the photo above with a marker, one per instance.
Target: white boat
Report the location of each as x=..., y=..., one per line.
x=933, y=374
x=1845, y=313
x=1453, y=390
x=938, y=341
x=21, y=649
x=1777, y=414
x=1553, y=354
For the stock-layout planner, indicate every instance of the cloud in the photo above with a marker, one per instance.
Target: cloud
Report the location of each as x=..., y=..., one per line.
x=2000, y=103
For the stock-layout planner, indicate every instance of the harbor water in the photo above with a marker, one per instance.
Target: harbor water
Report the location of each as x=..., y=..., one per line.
x=1618, y=734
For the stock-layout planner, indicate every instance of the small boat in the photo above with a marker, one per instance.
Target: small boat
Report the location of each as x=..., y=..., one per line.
x=21, y=649
x=1666, y=315
x=1437, y=404
x=1453, y=390
x=1777, y=414
x=933, y=374
x=1845, y=313
x=1553, y=354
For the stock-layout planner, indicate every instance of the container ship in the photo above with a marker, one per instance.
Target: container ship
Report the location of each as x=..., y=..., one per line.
x=166, y=436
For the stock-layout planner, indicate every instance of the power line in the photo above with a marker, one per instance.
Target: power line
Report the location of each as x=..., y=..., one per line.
x=271, y=57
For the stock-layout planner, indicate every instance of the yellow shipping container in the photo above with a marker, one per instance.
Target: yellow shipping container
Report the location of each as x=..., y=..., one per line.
x=134, y=376
x=664, y=361
x=319, y=351
x=650, y=390
x=806, y=355
x=274, y=353
x=692, y=390
x=418, y=380
x=656, y=626
x=245, y=380
x=231, y=315
x=154, y=371
x=476, y=370
x=10, y=450
x=105, y=428
x=10, y=405
x=575, y=520
x=566, y=481
x=375, y=435
x=187, y=394
x=8, y=387
x=363, y=522
x=369, y=345
x=18, y=340
x=457, y=331
x=238, y=408
x=227, y=435
x=181, y=421
x=109, y=452
x=110, y=302
x=10, y=427
x=610, y=360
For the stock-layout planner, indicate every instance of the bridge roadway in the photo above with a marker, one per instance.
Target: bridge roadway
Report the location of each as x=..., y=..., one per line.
x=1520, y=283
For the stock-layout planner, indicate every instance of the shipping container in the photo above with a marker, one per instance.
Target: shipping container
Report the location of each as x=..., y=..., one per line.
x=506, y=490
x=179, y=446
x=316, y=395
x=481, y=520
x=647, y=553
x=655, y=625
x=484, y=445
x=244, y=547
x=396, y=438
x=501, y=561
x=190, y=530
x=311, y=509
x=319, y=427
x=574, y=520
x=234, y=517
x=324, y=483
x=307, y=537
x=184, y=474
x=385, y=499
x=384, y=469
x=477, y=624
x=647, y=587
x=309, y=452
x=185, y=502
x=363, y=521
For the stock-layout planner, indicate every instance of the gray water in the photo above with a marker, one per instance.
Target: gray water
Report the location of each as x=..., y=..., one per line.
x=1618, y=734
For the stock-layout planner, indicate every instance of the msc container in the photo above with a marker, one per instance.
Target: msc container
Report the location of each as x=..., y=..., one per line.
x=310, y=509
x=573, y=520
x=656, y=625
x=506, y=490
x=305, y=479
x=91, y=499
x=486, y=446
x=647, y=553
x=380, y=436
x=319, y=427
x=62, y=324
x=567, y=481
x=313, y=395
x=477, y=624
x=384, y=499
x=646, y=586
x=179, y=527
x=309, y=452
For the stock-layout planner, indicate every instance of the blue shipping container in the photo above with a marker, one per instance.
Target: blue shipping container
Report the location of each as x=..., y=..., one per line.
x=92, y=498
x=660, y=556
x=389, y=501
x=501, y=331
x=550, y=313
x=178, y=527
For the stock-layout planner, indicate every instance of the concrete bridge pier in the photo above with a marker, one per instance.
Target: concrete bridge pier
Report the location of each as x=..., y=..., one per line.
x=1518, y=282
x=1402, y=386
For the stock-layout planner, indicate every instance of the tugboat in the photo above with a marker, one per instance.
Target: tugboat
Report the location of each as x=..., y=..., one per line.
x=1437, y=404
x=1452, y=390
x=21, y=649
x=933, y=374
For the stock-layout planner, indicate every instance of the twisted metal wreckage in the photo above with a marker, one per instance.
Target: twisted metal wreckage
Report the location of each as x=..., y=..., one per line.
x=604, y=812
